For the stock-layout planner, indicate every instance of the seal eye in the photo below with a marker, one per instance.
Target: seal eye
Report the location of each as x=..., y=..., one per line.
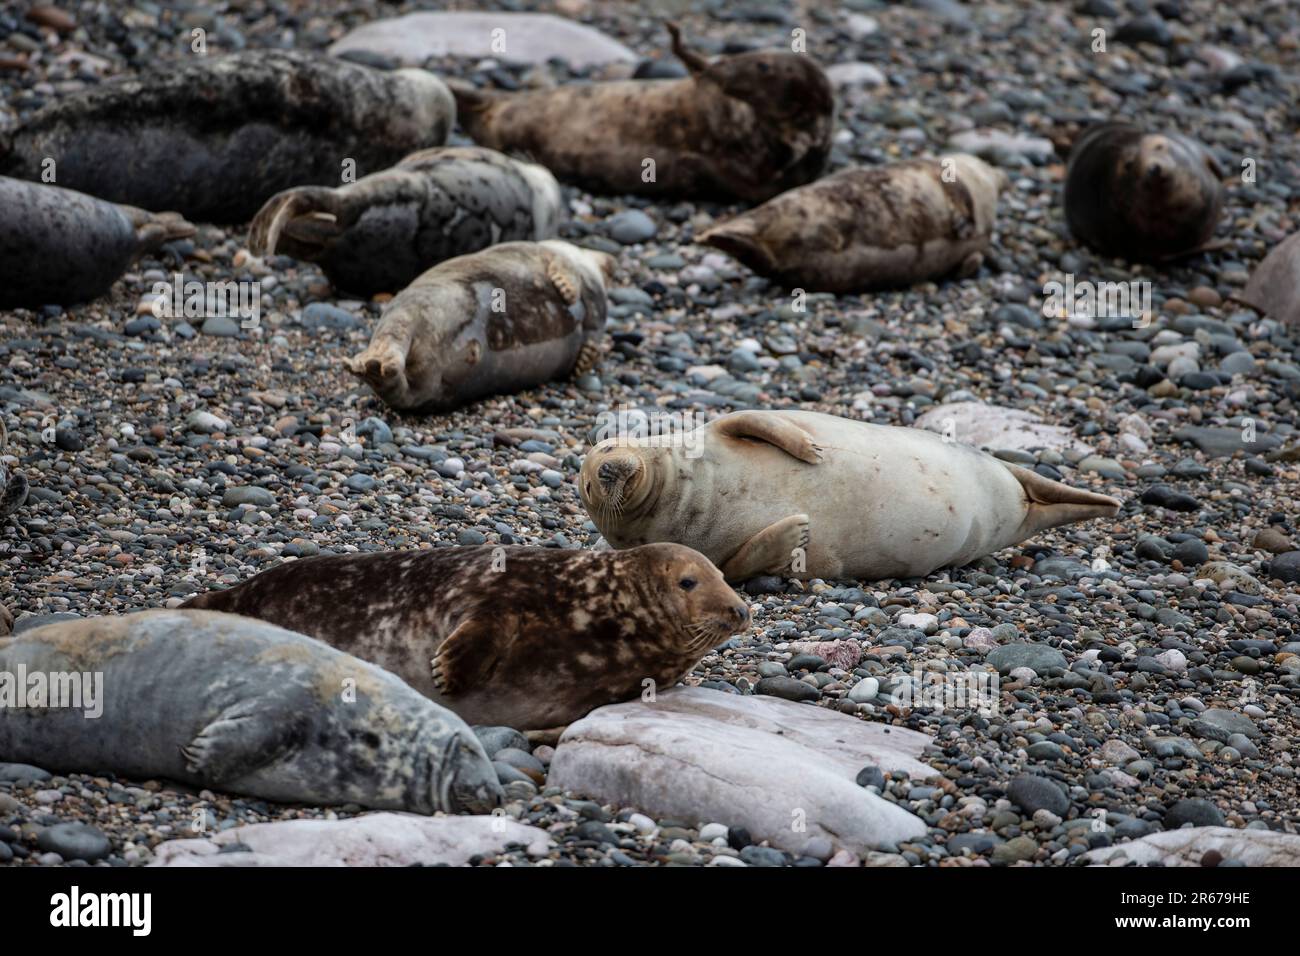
x=687, y=584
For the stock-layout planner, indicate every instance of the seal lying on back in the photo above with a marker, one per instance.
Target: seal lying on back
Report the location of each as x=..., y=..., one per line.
x=1142, y=196
x=58, y=246
x=1274, y=286
x=379, y=233
x=219, y=701
x=497, y=321
x=747, y=126
x=530, y=638
x=819, y=496
x=865, y=228
x=215, y=137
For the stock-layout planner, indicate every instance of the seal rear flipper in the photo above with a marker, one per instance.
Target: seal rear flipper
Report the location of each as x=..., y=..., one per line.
x=245, y=737
x=693, y=62
x=301, y=203
x=468, y=655
x=588, y=358
x=737, y=239
x=382, y=366
x=1052, y=503
x=154, y=229
x=771, y=551
x=772, y=429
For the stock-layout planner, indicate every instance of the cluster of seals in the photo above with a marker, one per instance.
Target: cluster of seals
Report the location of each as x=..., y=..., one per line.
x=215, y=700
x=868, y=228
x=1274, y=286
x=818, y=496
x=531, y=638
x=380, y=232
x=747, y=127
x=13, y=485
x=217, y=136
x=508, y=318
x=1141, y=196
x=58, y=246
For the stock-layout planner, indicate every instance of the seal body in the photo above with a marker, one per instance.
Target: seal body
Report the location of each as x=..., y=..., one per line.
x=1142, y=196
x=1274, y=286
x=867, y=228
x=13, y=484
x=381, y=232
x=218, y=701
x=746, y=127
x=215, y=137
x=58, y=246
x=508, y=318
x=530, y=638
x=818, y=496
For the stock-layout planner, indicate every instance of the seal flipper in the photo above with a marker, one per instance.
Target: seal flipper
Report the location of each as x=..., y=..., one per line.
x=1052, y=503
x=275, y=216
x=770, y=551
x=588, y=358
x=153, y=229
x=738, y=238
x=693, y=62
x=773, y=429
x=468, y=655
x=245, y=737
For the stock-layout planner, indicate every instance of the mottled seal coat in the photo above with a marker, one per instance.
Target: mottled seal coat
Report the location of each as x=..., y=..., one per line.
x=819, y=496
x=530, y=638
x=58, y=246
x=215, y=137
x=508, y=318
x=219, y=701
x=747, y=127
x=866, y=228
x=13, y=485
x=1142, y=196
x=379, y=233
x=1274, y=286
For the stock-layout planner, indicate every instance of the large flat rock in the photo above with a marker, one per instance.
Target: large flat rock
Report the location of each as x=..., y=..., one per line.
x=374, y=839
x=998, y=428
x=784, y=771
x=526, y=37
x=1187, y=847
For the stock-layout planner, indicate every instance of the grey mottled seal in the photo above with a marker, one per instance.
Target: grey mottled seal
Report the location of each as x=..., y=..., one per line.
x=747, y=126
x=530, y=638
x=866, y=228
x=215, y=137
x=819, y=496
x=379, y=233
x=61, y=246
x=492, y=322
x=13, y=484
x=1142, y=196
x=1274, y=286
x=219, y=701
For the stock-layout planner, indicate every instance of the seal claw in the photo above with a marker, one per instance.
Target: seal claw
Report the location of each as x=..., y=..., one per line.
x=588, y=358
x=563, y=284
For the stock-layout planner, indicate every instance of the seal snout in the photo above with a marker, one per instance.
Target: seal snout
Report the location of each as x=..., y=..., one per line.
x=467, y=780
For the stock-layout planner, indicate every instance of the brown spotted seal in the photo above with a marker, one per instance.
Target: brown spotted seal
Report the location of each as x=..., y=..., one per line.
x=216, y=136
x=530, y=638
x=867, y=228
x=58, y=246
x=219, y=701
x=494, y=322
x=1142, y=196
x=748, y=127
x=380, y=232
x=818, y=496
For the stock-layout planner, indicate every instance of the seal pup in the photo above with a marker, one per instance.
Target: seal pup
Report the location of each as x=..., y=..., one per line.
x=379, y=233
x=13, y=484
x=498, y=321
x=746, y=127
x=219, y=701
x=530, y=638
x=215, y=137
x=867, y=228
x=1142, y=196
x=59, y=246
x=1274, y=286
x=818, y=496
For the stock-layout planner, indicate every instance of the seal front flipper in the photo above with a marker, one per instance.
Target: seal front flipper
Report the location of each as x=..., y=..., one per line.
x=588, y=358
x=773, y=429
x=770, y=551
x=244, y=738
x=1052, y=503
x=468, y=655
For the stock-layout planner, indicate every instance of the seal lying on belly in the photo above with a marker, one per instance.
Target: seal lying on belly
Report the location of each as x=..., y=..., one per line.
x=1142, y=196
x=498, y=321
x=748, y=127
x=379, y=233
x=219, y=701
x=58, y=246
x=530, y=638
x=868, y=228
x=215, y=137
x=819, y=496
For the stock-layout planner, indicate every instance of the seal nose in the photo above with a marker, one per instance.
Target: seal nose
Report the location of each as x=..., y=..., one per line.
x=609, y=472
x=742, y=614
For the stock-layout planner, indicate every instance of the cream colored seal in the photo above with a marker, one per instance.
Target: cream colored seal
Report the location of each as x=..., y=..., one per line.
x=818, y=496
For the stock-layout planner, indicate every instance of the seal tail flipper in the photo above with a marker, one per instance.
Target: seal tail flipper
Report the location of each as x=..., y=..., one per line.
x=153, y=229
x=1052, y=503
x=690, y=59
x=309, y=215
x=737, y=238
x=382, y=366
x=472, y=104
